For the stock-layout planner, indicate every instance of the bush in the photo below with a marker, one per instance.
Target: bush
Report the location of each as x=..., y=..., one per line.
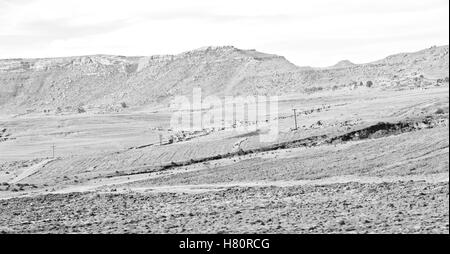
x=369, y=83
x=124, y=105
x=81, y=110
x=440, y=111
x=313, y=89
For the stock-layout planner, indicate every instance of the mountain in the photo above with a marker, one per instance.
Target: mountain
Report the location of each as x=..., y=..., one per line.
x=104, y=81
x=343, y=64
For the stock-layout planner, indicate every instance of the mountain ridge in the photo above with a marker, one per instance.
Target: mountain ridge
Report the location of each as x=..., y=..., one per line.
x=106, y=81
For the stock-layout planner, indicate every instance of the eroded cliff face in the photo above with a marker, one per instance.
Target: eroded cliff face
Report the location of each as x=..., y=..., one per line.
x=103, y=81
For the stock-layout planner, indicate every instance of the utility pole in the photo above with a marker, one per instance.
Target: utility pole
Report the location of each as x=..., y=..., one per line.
x=295, y=118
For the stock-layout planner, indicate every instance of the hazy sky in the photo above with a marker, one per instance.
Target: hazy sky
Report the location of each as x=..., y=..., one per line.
x=314, y=32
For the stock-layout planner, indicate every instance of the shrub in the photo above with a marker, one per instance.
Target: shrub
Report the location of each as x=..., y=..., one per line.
x=313, y=89
x=124, y=105
x=440, y=111
x=81, y=110
x=369, y=83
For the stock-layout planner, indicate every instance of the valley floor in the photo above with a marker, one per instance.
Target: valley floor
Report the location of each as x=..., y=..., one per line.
x=364, y=177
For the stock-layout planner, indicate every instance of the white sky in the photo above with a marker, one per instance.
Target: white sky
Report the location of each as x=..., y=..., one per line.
x=314, y=32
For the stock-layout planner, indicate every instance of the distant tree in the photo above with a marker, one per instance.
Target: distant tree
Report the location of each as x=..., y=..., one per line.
x=124, y=105
x=369, y=83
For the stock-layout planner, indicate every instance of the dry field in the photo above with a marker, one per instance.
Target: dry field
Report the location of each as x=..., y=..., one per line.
x=369, y=160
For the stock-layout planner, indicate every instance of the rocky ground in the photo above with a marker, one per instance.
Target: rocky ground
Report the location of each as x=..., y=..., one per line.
x=400, y=207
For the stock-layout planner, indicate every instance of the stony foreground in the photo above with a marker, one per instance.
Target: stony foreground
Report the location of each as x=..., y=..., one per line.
x=399, y=207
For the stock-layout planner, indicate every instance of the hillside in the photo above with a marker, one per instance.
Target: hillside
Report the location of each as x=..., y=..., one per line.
x=104, y=82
